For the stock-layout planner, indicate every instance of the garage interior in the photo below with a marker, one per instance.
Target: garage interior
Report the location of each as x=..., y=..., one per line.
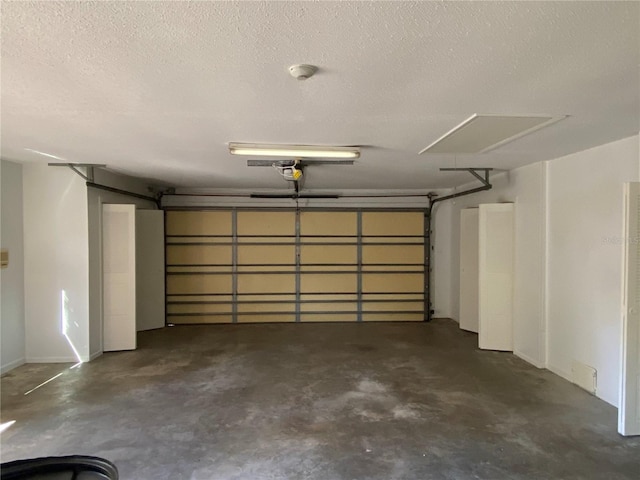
x=324, y=240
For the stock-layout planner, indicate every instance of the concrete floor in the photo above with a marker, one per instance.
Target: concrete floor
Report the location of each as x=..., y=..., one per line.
x=316, y=401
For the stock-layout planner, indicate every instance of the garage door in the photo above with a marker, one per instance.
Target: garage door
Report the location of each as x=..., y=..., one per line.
x=228, y=266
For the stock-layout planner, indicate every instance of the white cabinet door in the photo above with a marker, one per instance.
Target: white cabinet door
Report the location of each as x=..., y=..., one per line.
x=119, y=276
x=469, y=269
x=149, y=269
x=495, y=268
x=629, y=411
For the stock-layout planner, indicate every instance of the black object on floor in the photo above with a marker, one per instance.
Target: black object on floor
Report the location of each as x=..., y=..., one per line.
x=74, y=467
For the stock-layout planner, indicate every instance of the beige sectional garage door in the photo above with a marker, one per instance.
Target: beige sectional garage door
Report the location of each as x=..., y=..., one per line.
x=245, y=266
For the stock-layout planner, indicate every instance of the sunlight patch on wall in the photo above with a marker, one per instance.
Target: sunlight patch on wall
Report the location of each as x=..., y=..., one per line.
x=64, y=315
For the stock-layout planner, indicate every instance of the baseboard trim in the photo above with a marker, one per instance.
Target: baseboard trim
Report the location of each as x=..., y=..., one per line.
x=559, y=372
x=11, y=365
x=51, y=360
x=95, y=355
x=528, y=359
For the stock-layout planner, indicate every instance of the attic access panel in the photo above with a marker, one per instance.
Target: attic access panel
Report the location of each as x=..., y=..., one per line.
x=247, y=266
x=482, y=133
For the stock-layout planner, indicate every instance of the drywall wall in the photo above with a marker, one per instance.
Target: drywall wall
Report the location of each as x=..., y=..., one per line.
x=56, y=265
x=442, y=251
x=525, y=187
x=568, y=258
x=150, y=270
x=12, y=277
x=585, y=255
x=95, y=199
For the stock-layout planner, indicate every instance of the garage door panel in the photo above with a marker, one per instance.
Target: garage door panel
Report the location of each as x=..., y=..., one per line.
x=266, y=283
x=328, y=223
x=325, y=317
x=284, y=298
x=337, y=297
x=177, y=308
x=393, y=317
x=392, y=282
x=258, y=318
x=372, y=254
x=391, y=306
x=416, y=296
x=205, y=270
x=199, y=284
x=244, y=269
x=314, y=283
x=402, y=268
x=329, y=307
x=199, y=254
x=200, y=240
x=266, y=254
x=198, y=223
x=198, y=319
x=265, y=224
x=266, y=307
x=246, y=259
x=393, y=223
x=323, y=254
x=199, y=298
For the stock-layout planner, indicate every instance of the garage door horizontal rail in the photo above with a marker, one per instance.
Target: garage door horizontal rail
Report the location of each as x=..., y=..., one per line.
x=302, y=272
x=293, y=236
x=275, y=302
x=292, y=293
x=289, y=312
x=175, y=265
x=294, y=243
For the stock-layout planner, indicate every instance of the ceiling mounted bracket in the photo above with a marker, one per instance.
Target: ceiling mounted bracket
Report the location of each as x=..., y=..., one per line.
x=88, y=175
x=433, y=199
x=486, y=184
x=473, y=171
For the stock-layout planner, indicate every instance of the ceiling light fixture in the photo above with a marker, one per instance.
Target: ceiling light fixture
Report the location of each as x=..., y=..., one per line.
x=297, y=151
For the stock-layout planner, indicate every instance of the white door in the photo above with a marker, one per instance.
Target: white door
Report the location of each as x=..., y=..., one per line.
x=469, y=269
x=495, y=267
x=119, y=276
x=629, y=411
x=149, y=269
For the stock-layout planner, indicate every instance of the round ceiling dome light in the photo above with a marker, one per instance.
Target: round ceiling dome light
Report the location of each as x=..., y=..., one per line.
x=302, y=71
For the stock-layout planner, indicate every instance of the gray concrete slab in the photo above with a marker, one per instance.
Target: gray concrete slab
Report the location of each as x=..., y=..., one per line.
x=316, y=401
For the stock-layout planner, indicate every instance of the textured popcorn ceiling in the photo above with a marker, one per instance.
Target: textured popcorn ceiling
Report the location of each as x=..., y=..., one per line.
x=157, y=89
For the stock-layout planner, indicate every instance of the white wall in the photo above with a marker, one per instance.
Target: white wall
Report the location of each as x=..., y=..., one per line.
x=63, y=252
x=95, y=199
x=585, y=204
x=568, y=262
x=12, y=278
x=525, y=187
x=442, y=257
x=56, y=265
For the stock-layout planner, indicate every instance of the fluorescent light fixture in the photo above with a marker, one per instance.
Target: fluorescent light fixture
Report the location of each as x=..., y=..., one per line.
x=482, y=133
x=298, y=151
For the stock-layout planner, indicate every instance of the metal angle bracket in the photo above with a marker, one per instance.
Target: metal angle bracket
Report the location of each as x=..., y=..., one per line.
x=473, y=171
x=486, y=184
x=88, y=176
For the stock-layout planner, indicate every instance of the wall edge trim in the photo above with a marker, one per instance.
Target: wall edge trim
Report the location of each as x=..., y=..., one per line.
x=51, y=360
x=529, y=359
x=11, y=365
